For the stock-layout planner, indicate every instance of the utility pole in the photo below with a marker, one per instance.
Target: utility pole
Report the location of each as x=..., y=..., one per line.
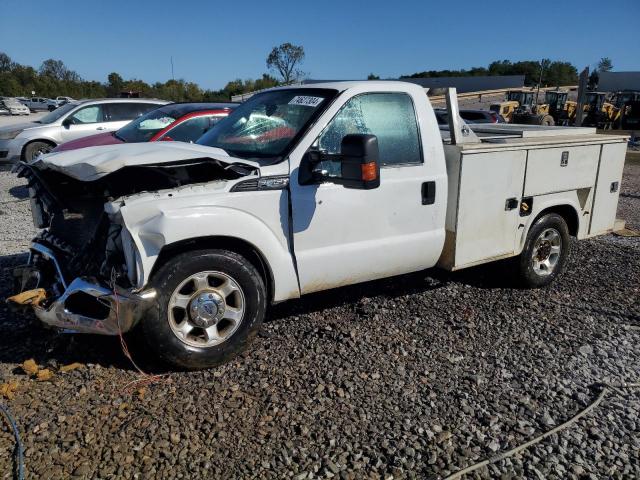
x=172, y=76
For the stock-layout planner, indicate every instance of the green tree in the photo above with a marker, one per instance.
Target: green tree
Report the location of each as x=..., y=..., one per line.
x=115, y=82
x=560, y=73
x=605, y=64
x=5, y=62
x=373, y=76
x=57, y=70
x=284, y=59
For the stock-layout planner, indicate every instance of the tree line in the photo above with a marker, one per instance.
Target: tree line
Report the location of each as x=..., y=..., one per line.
x=54, y=78
x=553, y=72
x=546, y=72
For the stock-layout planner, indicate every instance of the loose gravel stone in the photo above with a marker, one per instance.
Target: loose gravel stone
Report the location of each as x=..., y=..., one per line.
x=410, y=377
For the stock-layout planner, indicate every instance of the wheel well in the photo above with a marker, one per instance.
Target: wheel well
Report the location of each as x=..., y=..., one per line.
x=237, y=245
x=42, y=140
x=567, y=212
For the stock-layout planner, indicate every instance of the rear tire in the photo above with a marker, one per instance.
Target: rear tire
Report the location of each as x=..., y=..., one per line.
x=210, y=305
x=545, y=252
x=34, y=149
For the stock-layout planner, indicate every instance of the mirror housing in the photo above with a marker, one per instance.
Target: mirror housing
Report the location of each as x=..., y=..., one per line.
x=360, y=162
x=358, y=159
x=67, y=122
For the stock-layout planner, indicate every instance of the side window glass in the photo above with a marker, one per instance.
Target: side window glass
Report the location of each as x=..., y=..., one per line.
x=91, y=114
x=119, y=112
x=189, y=130
x=389, y=116
x=143, y=108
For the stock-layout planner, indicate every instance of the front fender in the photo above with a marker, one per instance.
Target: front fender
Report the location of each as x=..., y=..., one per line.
x=167, y=226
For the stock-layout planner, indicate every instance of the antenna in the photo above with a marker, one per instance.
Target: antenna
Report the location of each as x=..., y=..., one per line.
x=172, y=76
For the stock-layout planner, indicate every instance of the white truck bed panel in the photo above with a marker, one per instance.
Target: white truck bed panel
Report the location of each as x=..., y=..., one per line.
x=607, y=189
x=577, y=170
x=485, y=228
x=559, y=169
x=529, y=131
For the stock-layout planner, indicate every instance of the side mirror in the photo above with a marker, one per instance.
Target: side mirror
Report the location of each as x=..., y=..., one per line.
x=67, y=122
x=360, y=162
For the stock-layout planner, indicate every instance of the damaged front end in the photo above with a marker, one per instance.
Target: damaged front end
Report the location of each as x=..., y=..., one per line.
x=81, y=275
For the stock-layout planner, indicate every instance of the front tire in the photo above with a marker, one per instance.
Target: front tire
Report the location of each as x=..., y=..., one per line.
x=34, y=149
x=210, y=305
x=545, y=252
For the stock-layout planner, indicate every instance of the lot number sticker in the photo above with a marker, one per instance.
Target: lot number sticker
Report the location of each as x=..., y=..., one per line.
x=306, y=101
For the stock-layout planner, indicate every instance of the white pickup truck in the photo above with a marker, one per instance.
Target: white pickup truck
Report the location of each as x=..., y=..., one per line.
x=300, y=189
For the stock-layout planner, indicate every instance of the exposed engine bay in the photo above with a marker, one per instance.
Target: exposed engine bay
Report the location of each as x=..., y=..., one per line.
x=77, y=262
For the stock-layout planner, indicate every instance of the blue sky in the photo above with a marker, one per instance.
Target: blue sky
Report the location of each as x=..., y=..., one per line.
x=214, y=42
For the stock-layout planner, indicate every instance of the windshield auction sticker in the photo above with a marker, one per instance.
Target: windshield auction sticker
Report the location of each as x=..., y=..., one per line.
x=306, y=101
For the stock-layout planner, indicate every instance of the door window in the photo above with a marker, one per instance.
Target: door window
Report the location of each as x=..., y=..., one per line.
x=389, y=116
x=120, y=112
x=188, y=131
x=90, y=114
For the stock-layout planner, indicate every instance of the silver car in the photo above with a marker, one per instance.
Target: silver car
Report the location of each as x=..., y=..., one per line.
x=15, y=107
x=71, y=121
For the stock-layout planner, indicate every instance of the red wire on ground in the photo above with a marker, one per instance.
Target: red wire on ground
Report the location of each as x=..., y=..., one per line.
x=146, y=378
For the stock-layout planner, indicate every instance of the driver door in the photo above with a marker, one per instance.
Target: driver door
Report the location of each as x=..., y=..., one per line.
x=343, y=236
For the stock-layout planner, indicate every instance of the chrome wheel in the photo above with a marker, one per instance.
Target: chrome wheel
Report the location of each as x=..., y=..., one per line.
x=546, y=252
x=42, y=150
x=206, y=309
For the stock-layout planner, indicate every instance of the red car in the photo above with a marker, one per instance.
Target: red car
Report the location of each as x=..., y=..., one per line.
x=181, y=122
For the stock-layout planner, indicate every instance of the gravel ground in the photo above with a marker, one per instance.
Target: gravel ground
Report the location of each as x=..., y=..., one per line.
x=410, y=377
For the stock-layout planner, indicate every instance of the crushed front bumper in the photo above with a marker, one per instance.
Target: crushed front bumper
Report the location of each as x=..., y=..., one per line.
x=85, y=305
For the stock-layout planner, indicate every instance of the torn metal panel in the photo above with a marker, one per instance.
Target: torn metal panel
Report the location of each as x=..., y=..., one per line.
x=93, y=163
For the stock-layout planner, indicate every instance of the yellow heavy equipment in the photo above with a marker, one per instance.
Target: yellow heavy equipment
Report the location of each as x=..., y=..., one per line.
x=514, y=99
x=599, y=112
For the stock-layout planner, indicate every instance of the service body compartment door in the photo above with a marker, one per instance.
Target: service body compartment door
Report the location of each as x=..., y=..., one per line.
x=488, y=213
x=551, y=170
x=607, y=187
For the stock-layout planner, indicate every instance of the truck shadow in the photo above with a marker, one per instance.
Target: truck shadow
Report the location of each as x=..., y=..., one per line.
x=20, y=192
x=496, y=275
x=24, y=337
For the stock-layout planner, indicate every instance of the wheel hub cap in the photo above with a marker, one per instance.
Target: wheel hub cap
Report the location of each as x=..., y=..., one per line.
x=206, y=309
x=546, y=252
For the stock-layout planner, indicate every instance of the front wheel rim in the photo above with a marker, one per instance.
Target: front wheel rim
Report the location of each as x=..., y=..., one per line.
x=547, y=249
x=206, y=309
x=41, y=151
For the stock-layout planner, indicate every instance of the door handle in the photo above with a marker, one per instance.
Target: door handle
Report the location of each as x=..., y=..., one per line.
x=101, y=128
x=429, y=193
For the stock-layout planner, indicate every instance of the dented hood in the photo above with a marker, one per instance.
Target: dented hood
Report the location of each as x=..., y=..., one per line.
x=88, y=164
